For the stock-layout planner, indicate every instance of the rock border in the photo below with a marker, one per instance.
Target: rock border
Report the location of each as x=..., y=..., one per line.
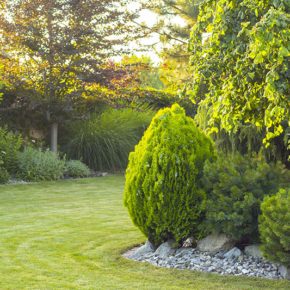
x=224, y=262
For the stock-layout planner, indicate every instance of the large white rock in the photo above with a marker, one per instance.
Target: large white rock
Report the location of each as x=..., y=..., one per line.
x=254, y=251
x=214, y=243
x=284, y=272
x=166, y=249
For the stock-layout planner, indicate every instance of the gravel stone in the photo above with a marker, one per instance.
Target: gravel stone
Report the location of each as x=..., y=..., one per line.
x=233, y=253
x=193, y=259
x=254, y=251
x=284, y=272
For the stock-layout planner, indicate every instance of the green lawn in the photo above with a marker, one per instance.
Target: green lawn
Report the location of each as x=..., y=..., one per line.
x=70, y=235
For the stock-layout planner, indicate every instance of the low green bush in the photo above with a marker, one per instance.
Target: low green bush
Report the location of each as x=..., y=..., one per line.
x=36, y=165
x=76, y=168
x=10, y=145
x=104, y=141
x=235, y=187
x=274, y=226
x=163, y=193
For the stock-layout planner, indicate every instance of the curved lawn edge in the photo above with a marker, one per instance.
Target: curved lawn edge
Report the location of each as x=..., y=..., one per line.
x=71, y=235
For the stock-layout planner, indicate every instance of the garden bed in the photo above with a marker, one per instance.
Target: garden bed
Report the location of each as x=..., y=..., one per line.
x=225, y=262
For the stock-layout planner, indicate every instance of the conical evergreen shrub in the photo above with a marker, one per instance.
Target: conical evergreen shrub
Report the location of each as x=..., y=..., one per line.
x=163, y=191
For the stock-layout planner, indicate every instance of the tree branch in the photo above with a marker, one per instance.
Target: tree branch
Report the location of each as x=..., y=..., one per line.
x=160, y=33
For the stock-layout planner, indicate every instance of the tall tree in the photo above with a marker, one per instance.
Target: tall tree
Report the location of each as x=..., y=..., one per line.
x=1, y=84
x=174, y=20
x=55, y=49
x=240, y=59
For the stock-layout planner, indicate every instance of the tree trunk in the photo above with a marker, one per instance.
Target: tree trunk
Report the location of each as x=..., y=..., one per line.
x=53, y=137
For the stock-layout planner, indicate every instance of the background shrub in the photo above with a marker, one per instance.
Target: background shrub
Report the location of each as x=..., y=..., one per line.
x=76, y=168
x=10, y=145
x=105, y=141
x=235, y=187
x=157, y=99
x=162, y=191
x=4, y=175
x=36, y=165
x=274, y=226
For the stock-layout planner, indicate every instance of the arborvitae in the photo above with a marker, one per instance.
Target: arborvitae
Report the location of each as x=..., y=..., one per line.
x=163, y=192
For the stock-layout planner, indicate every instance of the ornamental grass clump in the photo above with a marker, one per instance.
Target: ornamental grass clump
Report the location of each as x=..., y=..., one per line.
x=274, y=227
x=163, y=193
x=104, y=141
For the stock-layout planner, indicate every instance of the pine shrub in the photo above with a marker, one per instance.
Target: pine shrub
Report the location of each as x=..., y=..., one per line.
x=274, y=226
x=235, y=187
x=163, y=193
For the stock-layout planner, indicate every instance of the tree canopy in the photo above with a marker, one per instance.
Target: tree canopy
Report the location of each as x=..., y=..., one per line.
x=167, y=11
x=55, y=50
x=174, y=20
x=240, y=60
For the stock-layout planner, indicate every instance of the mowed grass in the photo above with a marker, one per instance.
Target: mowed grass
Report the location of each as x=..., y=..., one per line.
x=71, y=234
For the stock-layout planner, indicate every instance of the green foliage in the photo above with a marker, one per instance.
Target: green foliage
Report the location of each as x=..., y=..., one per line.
x=140, y=72
x=174, y=36
x=76, y=168
x=235, y=187
x=136, y=97
x=4, y=175
x=274, y=226
x=162, y=192
x=36, y=165
x=1, y=83
x=55, y=52
x=104, y=141
x=241, y=71
x=10, y=145
x=247, y=139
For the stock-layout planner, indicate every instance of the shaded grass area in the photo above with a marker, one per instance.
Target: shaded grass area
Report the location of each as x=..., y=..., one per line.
x=70, y=235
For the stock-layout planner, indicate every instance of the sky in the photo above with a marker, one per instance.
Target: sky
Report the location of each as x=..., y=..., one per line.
x=149, y=18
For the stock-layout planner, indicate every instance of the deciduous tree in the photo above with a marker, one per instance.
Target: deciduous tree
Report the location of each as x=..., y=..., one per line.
x=55, y=49
x=240, y=59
